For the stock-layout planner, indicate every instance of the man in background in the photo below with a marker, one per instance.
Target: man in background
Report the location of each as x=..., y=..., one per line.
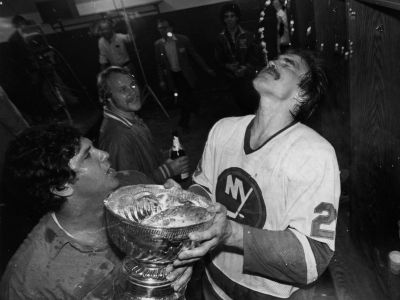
x=174, y=56
x=283, y=26
x=113, y=47
x=238, y=58
x=124, y=135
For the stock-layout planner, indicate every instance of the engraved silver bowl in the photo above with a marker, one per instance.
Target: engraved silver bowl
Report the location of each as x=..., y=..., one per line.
x=149, y=249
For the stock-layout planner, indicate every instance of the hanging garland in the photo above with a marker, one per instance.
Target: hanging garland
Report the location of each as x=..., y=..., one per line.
x=261, y=31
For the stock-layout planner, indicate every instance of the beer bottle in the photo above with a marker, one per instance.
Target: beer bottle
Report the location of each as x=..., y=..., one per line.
x=176, y=152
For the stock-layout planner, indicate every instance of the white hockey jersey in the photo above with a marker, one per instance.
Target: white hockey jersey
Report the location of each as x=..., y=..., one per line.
x=291, y=181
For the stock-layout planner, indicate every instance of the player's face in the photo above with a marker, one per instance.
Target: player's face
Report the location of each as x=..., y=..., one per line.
x=106, y=31
x=281, y=78
x=94, y=177
x=230, y=20
x=164, y=29
x=277, y=4
x=125, y=94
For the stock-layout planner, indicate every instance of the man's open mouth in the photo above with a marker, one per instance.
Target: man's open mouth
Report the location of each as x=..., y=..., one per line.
x=271, y=69
x=110, y=171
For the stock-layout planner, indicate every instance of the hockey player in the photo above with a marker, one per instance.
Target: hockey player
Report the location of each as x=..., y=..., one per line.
x=276, y=185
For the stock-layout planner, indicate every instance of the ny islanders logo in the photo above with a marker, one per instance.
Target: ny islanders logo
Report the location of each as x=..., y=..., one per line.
x=241, y=195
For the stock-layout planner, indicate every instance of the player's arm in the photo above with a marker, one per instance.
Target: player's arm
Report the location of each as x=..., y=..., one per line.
x=280, y=255
x=283, y=256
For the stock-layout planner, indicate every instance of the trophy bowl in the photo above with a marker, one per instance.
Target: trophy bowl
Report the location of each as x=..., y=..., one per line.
x=151, y=224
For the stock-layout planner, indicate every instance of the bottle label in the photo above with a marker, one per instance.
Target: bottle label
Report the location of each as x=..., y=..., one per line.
x=176, y=145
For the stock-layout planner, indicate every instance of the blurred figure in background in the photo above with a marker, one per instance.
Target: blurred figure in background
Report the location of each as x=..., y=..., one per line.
x=238, y=58
x=283, y=26
x=268, y=31
x=11, y=124
x=43, y=95
x=113, y=47
x=174, y=54
x=26, y=89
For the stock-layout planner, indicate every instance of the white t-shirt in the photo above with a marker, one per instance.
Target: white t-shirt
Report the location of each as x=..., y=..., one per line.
x=114, y=52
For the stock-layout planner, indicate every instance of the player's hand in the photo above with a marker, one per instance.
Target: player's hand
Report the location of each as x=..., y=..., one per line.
x=179, y=276
x=218, y=233
x=170, y=183
x=179, y=165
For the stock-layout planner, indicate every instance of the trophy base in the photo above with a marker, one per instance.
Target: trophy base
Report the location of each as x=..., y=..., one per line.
x=140, y=282
x=131, y=291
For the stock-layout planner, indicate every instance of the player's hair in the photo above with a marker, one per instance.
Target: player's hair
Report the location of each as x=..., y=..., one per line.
x=102, y=82
x=313, y=85
x=229, y=7
x=38, y=163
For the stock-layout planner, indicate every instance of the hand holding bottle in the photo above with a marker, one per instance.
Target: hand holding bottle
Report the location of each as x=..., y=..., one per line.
x=179, y=166
x=179, y=161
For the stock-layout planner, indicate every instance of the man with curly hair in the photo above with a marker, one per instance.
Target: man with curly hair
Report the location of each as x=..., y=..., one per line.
x=67, y=255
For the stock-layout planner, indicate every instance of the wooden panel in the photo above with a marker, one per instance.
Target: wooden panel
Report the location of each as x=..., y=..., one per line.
x=331, y=41
x=375, y=126
x=352, y=276
x=394, y=4
x=301, y=12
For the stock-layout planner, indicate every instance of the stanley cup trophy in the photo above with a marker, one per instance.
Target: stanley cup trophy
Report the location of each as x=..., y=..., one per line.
x=150, y=224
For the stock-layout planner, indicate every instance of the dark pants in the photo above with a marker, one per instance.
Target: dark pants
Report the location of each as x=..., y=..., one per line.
x=186, y=101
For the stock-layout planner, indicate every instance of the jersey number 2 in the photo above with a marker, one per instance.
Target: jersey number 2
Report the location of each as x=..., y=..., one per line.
x=323, y=219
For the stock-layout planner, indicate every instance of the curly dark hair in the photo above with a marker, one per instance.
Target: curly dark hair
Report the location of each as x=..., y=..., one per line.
x=230, y=7
x=38, y=162
x=313, y=85
x=102, y=82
